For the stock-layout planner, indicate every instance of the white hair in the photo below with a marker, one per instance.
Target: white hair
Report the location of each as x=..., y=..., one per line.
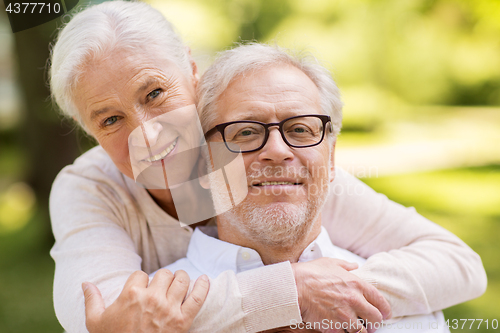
x=251, y=57
x=97, y=31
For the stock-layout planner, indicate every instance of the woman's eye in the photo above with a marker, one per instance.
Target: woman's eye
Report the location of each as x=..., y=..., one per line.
x=154, y=94
x=110, y=121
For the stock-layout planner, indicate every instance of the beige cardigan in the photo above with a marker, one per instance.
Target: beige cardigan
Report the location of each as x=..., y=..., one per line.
x=107, y=227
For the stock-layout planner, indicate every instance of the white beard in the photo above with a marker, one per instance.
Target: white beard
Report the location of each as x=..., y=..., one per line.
x=281, y=224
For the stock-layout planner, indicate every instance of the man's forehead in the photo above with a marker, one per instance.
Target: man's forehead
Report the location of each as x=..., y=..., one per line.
x=269, y=75
x=282, y=89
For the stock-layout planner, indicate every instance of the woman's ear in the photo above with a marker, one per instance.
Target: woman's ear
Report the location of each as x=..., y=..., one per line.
x=194, y=68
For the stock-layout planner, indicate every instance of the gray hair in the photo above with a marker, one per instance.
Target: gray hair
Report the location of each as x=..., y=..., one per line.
x=252, y=57
x=98, y=30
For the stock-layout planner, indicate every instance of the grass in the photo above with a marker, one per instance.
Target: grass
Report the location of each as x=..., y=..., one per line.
x=465, y=201
x=26, y=277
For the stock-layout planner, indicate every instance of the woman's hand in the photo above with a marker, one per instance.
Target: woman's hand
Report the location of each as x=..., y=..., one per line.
x=329, y=293
x=159, y=307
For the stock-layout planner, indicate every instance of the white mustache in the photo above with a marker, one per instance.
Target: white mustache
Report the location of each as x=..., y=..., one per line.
x=278, y=172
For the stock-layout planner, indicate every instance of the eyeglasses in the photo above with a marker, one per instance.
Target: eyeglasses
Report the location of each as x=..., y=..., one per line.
x=247, y=136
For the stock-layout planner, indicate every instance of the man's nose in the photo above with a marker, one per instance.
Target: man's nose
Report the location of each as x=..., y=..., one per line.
x=275, y=150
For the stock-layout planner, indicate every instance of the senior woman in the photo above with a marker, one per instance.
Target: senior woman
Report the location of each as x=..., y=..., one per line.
x=118, y=65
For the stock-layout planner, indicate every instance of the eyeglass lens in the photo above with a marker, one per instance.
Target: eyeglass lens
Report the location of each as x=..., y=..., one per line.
x=299, y=132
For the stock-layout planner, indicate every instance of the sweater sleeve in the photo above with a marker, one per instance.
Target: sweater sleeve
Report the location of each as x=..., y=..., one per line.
x=94, y=244
x=90, y=245
x=266, y=298
x=417, y=265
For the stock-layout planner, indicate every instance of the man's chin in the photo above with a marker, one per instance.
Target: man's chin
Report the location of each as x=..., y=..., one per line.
x=278, y=204
x=279, y=216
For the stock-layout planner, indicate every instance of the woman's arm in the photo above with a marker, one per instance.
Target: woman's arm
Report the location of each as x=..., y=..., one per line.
x=418, y=266
x=94, y=243
x=91, y=245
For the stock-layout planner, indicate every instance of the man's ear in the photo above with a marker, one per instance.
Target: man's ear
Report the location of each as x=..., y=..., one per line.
x=332, y=161
x=194, y=68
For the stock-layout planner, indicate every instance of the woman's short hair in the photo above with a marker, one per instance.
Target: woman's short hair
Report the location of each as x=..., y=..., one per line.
x=254, y=56
x=98, y=30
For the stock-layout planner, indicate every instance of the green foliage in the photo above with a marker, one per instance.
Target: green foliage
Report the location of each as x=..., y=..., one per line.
x=465, y=201
x=26, y=280
x=423, y=52
x=389, y=57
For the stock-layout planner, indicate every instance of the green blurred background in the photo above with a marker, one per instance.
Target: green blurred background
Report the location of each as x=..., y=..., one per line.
x=421, y=84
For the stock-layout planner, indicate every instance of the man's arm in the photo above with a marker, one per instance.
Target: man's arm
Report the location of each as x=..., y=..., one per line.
x=418, y=266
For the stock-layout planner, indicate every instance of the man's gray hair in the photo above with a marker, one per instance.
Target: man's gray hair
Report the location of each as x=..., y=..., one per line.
x=97, y=31
x=251, y=57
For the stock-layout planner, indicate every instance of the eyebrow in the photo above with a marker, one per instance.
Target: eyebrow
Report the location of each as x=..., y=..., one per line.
x=97, y=113
x=253, y=114
x=149, y=82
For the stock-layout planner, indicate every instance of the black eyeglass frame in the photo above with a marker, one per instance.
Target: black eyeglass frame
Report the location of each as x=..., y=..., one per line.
x=221, y=127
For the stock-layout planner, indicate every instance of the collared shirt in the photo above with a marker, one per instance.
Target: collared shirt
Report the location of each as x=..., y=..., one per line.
x=208, y=255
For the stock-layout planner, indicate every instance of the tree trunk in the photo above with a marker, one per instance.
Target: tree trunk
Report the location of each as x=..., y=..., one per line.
x=49, y=141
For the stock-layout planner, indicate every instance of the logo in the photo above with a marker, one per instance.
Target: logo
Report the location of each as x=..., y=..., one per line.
x=26, y=15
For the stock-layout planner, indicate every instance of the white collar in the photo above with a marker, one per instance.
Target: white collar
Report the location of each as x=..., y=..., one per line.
x=212, y=256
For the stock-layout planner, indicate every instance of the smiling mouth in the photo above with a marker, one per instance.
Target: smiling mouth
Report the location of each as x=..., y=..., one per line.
x=275, y=183
x=163, y=154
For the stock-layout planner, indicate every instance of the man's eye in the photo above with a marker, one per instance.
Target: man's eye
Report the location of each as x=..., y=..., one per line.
x=110, y=121
x=298, y=129
x=246, y=133
x=154, y=94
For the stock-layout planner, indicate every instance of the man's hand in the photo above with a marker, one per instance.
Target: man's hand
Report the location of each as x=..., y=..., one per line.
x=327, y=291
x=159, y=307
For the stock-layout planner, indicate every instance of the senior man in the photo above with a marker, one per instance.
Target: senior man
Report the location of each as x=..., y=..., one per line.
x=272, y=112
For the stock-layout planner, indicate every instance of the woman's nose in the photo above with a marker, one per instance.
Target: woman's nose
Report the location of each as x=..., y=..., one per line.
x=151, y=130
x=145, y=134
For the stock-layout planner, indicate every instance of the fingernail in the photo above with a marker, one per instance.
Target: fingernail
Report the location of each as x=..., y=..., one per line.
x=85, y=286
x=204, y=277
